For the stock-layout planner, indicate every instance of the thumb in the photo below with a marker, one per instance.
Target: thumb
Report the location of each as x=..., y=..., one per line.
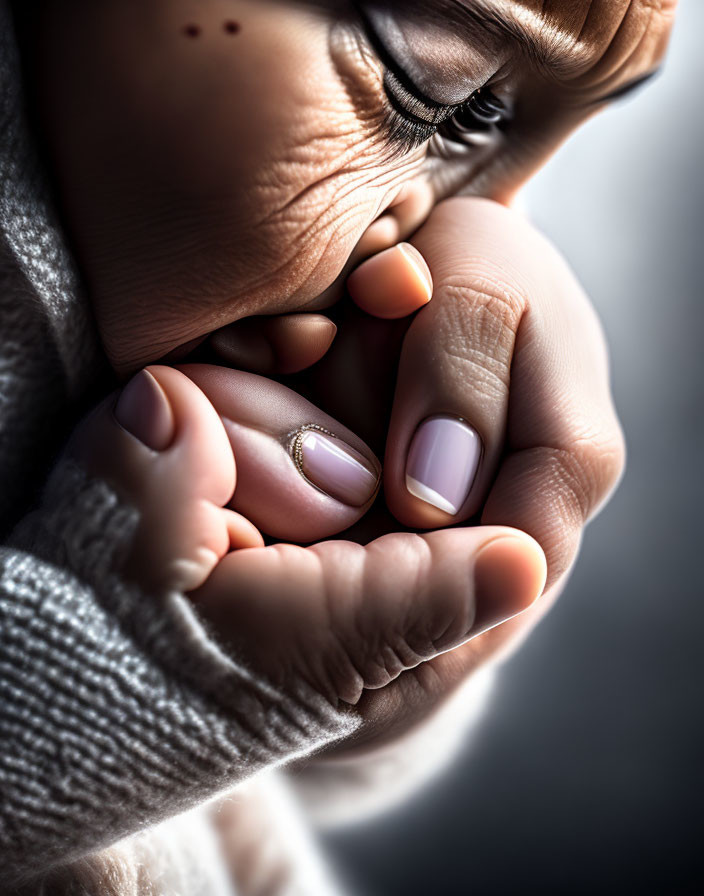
x=345, y=617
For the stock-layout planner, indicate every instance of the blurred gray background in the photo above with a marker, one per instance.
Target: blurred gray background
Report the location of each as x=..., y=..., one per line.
x=587, y=772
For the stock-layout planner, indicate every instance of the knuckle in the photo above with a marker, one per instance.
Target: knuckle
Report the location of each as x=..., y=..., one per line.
x=501, y=302
x=393, y=630
x=483, y=317
x=571, y=484
x=612, y=459
x=592, y=468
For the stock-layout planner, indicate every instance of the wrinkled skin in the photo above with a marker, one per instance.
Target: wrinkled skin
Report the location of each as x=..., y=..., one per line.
x=207, y=179
x=193, y=202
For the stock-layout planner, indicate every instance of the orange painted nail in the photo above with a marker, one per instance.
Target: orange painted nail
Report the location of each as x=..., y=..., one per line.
x=392, y=284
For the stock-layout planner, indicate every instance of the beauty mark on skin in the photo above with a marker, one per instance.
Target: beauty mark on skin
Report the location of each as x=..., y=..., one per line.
x=231, y=27
x=192, y=30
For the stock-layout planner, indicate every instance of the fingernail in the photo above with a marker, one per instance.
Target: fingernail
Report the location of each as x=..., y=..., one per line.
x=442, y=462
x=393, y=283
x=420, y=268
x=144, y=411
x=334, y=467
x=509, y=575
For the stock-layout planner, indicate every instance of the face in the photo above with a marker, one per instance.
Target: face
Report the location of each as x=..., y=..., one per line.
x=217, y=159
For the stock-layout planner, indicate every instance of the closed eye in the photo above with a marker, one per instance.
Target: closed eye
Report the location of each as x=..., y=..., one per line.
x=414, y=118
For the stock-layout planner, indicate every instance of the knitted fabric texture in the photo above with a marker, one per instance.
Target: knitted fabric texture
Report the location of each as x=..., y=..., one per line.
x=117, y=709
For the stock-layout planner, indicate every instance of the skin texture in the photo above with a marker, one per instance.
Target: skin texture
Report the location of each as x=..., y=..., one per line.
x=193, y=202
x=207, y=181
x=553, y=447
x=340, y=616
x=396, y=624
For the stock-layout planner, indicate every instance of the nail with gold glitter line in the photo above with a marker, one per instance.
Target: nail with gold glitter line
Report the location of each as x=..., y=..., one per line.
x=334, y=467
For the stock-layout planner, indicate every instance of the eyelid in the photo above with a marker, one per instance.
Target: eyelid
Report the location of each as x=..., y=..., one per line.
x=398, y=81
x=418, y=117
x=411, y=106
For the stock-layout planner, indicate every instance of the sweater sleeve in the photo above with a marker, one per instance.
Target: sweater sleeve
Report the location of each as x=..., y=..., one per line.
x=117, y=709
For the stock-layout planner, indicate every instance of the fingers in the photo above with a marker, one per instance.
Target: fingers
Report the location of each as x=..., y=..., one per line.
x=447, y=427
x=348, y=618
x=519, y=357
x=565, y=447
x=168, y=444
x=284, y=344
x=159, y=424
x=302, y=476
x=242, y=533
x=392, y=284
x=528, y=373
x=534, y=331
x=162, y=447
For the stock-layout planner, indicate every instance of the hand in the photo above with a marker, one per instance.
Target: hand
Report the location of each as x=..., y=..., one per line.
x=511, y=345
x=171, y=455
x=340, y=616
x=161, y=444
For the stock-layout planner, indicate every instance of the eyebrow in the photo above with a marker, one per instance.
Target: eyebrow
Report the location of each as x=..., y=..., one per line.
x=549, y=48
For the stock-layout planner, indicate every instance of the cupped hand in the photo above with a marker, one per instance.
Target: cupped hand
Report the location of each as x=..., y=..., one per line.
x=501, y=414
x=507, y=366
x=184, y=446
x=341, y=616
x=164, y=448
x=509, y=347
x=298, y=474
x=207, y=454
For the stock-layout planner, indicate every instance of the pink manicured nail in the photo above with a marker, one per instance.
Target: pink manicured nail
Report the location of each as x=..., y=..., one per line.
x=335, y=468
x=144, y=411
x=442, y=462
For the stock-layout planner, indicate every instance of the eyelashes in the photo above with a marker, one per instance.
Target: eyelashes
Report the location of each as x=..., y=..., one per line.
x=478, y=115
x=412, y=121
x=482, y=110
x=421, y=112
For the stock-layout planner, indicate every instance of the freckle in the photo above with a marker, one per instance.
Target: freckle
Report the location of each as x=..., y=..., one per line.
x=231, y=27
x=192, y=30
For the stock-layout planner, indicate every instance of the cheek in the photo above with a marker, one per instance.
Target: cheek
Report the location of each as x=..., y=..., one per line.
x=211, y=160
x=267, y=150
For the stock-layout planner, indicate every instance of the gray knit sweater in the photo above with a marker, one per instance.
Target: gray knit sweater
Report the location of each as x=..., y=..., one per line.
x=117, y=709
